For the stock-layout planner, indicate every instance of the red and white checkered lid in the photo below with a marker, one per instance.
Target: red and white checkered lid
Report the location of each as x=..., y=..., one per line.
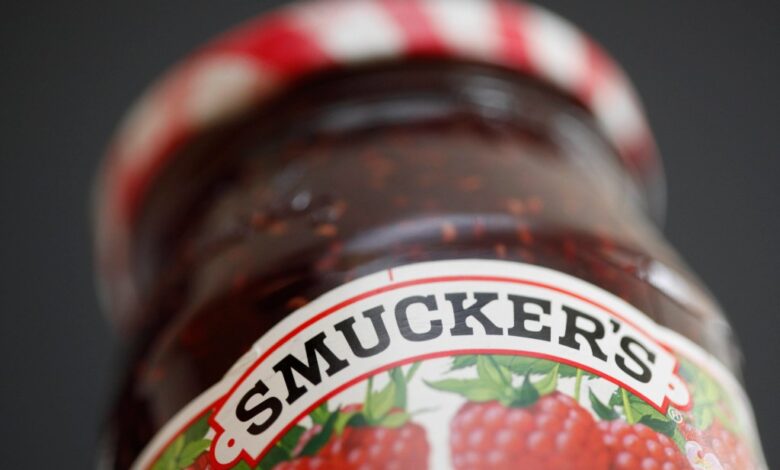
x=245, y=67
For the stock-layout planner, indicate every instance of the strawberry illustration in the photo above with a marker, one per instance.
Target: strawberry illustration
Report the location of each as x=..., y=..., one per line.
x=200, y=463
x=710, y=428
x=531, y=426
x=639, y=437
x=377, y=447
x=377, y=434
x=638, y=447
x=733, y=452
x=730, y=452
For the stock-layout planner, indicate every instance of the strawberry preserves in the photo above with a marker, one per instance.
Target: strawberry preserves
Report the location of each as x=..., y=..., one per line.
x=405, y=234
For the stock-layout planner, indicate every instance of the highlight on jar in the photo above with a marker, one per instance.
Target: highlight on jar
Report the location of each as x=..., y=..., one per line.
x=405, y=234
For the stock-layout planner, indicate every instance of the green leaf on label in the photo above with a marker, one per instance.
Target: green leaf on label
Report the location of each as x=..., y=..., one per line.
x=380, y=403
x=274, y=456
x=356, y=420
x=710, y=401
x=321, y=438
x=615, y=399
x=165, y=462
x=565, y=370
x=522, y=365
x=490, y=372
x=395, y=420
x=519, y=365
x=526, y=396
x=678, y=439
x=640, y=411
x=192, y=451
x=399, y=387
x=291, y=438
x=472, y=389
x=342, y=420
x=412, y=370
x=703, y=416
x=461, y=362
x=178, y=445
x=548, y=383
x=704, y=388
x=603, y=411
x=198, y=429
x=643, y=410
x=320, y=414
x=663, y=426
x=169, y=458
x=241, y=465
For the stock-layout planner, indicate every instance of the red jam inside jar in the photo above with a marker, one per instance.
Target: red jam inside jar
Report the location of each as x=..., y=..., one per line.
x=356, y=171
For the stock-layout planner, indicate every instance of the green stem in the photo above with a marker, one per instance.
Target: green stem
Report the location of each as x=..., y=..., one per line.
x=367, y=402
x=507, y=382
x=627, y=406
x=577, y=385
x=412, y=370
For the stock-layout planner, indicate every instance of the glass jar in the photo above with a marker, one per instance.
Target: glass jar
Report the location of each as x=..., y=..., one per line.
x=480, y=231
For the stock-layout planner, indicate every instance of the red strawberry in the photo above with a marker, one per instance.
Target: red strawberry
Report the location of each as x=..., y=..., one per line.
x=367, y=448
x=636, y=446
x=374, y=447
x=555, y=432
x=201, y=463
x=323, y=460
x=731, y=452
x=377, y=434
x=531, y=426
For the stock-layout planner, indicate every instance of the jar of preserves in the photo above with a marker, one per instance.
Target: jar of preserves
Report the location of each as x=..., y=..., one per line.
x=389, y=234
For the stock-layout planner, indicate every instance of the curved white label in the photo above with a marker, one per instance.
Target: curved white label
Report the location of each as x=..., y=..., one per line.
x=441, y=318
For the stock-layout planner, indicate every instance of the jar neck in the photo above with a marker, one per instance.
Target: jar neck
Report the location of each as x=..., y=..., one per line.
x=493, y=115
x=421, y=92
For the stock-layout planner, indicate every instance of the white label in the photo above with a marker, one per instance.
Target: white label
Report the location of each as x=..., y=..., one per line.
x=426, y=314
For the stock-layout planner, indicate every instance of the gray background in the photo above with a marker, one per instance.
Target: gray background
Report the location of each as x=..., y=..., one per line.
x=707, y=71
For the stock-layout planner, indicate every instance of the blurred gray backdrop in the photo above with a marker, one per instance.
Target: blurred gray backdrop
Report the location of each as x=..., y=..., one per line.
x=708, y=73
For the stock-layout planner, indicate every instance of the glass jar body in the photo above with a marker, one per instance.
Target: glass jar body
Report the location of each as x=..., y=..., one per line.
x=357, y=172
